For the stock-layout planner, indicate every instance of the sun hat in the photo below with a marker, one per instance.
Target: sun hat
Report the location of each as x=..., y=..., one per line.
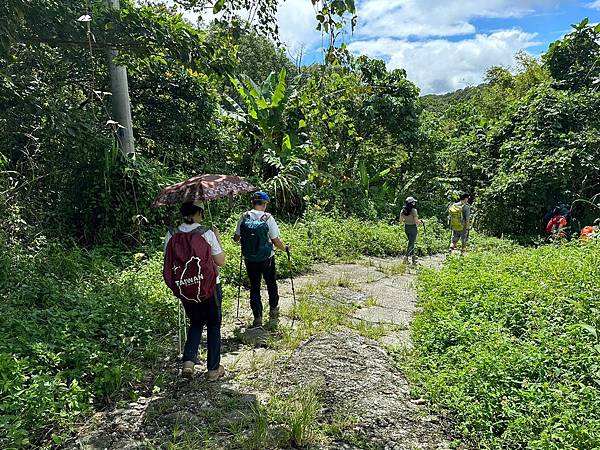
x=411, y=200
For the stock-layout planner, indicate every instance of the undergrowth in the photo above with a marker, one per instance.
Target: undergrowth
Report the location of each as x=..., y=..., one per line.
x=509, y=343
x=78, y=326
x=74, y=328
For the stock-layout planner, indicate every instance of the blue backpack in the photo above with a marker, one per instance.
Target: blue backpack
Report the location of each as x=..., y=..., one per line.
x=256, y=244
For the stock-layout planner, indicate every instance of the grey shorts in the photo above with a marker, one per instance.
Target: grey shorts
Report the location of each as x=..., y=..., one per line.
x=460, y=236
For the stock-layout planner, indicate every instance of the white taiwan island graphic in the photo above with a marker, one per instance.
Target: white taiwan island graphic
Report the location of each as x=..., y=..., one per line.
x=191, y=279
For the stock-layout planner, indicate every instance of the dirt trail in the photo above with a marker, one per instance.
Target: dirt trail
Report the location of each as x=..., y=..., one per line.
x=364, y=399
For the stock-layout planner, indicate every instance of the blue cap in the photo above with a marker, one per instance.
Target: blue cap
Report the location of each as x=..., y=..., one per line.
x=261, y=195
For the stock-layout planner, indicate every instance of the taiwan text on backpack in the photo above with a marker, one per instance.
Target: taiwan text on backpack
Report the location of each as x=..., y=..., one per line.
x=189, y=269
x=456, y=217
x=256, y=244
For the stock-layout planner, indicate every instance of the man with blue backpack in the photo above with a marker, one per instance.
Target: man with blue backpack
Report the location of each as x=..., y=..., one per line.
x=259, y=235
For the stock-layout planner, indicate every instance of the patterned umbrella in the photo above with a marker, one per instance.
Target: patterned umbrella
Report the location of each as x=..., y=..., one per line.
x=203, y=188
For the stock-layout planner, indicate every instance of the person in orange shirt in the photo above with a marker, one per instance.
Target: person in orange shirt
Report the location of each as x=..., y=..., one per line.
x=591, y=231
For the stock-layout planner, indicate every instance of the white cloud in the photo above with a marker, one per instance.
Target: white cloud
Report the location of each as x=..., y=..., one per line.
x=426, y=18
x=296, y=18
x=298, y=25
x=410, y=34
x=440, y=65
x=595, y=5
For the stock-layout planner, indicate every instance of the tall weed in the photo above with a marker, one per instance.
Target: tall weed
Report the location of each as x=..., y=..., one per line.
x=73, y=327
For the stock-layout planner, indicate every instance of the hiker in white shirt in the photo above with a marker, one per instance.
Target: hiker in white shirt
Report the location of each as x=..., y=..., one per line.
x=259, y=235
x=207, y=312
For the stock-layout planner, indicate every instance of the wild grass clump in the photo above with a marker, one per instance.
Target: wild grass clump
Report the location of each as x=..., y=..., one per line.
x=294, y=420
x=510, y=344
x=74, y=329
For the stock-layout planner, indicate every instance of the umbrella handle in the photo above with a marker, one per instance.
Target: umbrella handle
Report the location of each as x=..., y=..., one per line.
x=209, y=213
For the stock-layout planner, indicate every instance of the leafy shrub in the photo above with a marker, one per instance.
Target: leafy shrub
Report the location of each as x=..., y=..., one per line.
x=509, y=343
x=548, y=152
x=75, y=324
x=73, y=330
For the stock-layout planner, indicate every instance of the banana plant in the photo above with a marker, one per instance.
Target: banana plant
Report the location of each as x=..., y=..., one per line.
x=279, y=152
x=368, y=182
x=265, y=105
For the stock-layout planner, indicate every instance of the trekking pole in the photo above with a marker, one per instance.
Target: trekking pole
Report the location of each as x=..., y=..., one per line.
x=287, y=250
x=185, y=326
x=425, y=238
x=239, y=287
x=179, y=328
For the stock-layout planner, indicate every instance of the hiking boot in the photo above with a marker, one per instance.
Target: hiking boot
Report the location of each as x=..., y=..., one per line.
x=273, y=318
x=414, y=260
x=274, y=314
x=258, y=321
x=214, y=375
x=188, y=369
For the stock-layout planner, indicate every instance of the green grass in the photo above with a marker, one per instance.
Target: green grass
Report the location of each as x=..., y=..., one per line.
x=508, y=342
x=298, y=413
x=78, y=327
x=292, y=420
x=393, y=269
x=74, y=329
x=317, y=312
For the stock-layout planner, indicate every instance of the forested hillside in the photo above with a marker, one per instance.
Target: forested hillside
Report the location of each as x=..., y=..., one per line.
x=338, y=145
x=207, y=101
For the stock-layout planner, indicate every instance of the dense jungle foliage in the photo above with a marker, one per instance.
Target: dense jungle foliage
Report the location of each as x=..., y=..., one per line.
x=338, y=146
x=350, y=136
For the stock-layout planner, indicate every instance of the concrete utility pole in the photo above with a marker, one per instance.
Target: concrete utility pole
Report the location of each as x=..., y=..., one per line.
x=121, y=107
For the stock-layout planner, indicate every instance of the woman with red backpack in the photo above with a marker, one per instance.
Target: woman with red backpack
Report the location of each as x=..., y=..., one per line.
x=558, y=225
x=193, y=254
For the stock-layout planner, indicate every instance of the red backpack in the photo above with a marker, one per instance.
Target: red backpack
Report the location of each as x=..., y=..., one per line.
x=189, y=269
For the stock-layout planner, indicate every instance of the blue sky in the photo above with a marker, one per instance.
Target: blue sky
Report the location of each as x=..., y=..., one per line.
x=443, y=45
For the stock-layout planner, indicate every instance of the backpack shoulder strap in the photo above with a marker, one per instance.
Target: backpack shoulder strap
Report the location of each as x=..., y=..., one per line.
x=174, y=231
x=201, y=229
